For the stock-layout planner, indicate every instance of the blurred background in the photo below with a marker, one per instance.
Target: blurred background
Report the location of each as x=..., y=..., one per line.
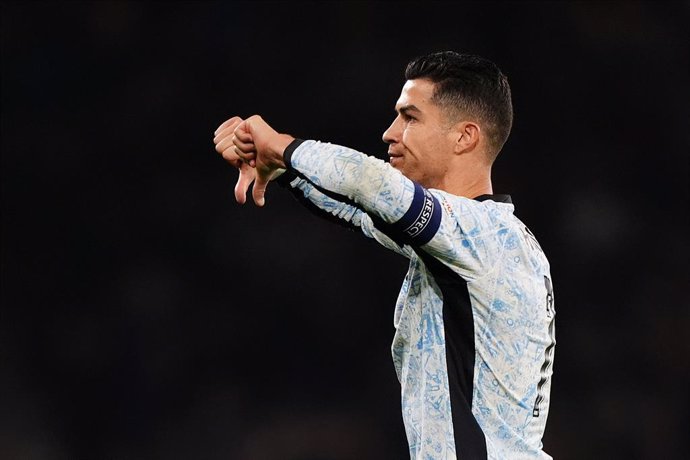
x=141, y=317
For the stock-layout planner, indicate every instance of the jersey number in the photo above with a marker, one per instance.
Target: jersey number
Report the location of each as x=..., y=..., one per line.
x=548, y=353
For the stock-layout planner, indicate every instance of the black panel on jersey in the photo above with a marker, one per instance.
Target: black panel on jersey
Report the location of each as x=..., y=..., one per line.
x=458, y=324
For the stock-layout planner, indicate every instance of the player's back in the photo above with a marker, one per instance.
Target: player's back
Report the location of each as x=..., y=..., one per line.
x=513, y=313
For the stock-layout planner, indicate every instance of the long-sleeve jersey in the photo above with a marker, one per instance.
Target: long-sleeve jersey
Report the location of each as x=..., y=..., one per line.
x=474, y=342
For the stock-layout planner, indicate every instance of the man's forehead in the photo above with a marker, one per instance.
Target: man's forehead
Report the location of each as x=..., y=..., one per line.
x=415, y=92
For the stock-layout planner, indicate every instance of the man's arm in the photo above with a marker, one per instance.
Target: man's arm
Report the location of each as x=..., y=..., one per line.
x=403, y=210
x=331, y=208
x=322, y=204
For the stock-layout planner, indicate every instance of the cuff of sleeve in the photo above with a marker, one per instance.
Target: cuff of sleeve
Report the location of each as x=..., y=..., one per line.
x=289, y=150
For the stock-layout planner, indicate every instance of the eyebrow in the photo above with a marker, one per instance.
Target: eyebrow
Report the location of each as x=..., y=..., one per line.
x=405, y=109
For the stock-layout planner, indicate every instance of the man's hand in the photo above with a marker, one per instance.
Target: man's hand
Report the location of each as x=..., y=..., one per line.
x=255, y=141
x=224, y=146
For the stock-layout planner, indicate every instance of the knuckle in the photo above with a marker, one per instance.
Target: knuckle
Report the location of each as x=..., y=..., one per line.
x=223, y=133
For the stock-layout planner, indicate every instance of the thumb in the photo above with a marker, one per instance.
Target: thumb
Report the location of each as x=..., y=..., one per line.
x=244, y=180
x=260, y=184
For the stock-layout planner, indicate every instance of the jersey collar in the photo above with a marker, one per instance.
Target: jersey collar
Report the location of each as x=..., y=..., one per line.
x=496, y=198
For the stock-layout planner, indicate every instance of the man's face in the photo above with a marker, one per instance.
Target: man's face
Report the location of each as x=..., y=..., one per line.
x=420, y=143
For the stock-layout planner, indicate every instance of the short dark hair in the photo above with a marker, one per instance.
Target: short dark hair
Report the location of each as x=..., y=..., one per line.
x=469, y=85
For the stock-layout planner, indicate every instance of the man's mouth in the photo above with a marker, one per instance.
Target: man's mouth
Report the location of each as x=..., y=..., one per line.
x=394, y=158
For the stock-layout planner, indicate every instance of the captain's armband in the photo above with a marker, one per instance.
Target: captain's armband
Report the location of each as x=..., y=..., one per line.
x=419, y=224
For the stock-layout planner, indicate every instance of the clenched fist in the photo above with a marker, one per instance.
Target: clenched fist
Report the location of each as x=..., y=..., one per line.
x=255, y=149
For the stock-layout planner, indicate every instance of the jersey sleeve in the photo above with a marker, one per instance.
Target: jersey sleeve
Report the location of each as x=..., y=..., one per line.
x=402, y=210
x=333, y=208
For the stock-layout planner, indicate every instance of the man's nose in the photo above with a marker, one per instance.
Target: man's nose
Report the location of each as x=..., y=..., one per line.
x=392, y=134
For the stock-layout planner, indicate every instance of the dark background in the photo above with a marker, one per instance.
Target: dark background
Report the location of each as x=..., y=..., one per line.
x=147, y=315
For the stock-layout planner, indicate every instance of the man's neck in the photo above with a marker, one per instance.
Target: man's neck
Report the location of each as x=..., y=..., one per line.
x=469, y=182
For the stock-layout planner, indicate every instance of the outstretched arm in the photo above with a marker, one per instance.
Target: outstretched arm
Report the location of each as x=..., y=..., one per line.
x=321, y=203
x=398, y=207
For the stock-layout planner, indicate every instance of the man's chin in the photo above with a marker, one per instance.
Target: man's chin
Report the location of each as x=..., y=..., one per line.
x=397, y=163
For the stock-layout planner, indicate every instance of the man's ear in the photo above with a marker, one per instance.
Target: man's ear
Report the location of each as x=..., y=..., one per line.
x=467, y=135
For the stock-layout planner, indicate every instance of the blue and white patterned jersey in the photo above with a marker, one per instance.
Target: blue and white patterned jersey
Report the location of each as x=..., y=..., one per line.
x=474, y=341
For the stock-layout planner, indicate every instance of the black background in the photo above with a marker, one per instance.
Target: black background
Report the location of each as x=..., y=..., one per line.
x=147, y=315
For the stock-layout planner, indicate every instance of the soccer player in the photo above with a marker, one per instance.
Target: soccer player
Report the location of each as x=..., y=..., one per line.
x=474, y=341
